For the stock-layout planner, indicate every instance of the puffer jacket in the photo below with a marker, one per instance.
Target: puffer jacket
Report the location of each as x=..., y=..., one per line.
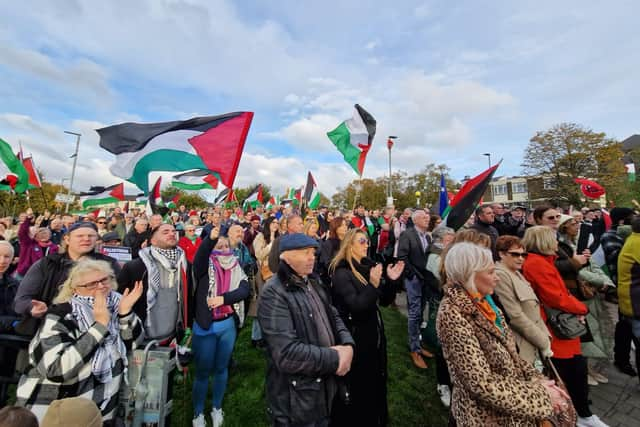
x=301, y=381
x=629, y=277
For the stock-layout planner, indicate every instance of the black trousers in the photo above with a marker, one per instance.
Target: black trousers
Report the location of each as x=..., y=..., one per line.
x=574, y=374
x=622, y=345
x=442, y=370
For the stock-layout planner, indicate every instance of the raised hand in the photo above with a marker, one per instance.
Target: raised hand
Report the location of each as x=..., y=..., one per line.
x=215, y=302
x=100, y=312
x=375, y=274
x=215, y=232
x=38, y=308
x=130, y=297
x=395, y=271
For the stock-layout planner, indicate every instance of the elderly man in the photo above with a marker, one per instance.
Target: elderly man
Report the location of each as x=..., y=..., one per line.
x=137, y=237
x=40, y=285
x=413, y=246
x=162, y=269
x=308, y=345
x=294, y=225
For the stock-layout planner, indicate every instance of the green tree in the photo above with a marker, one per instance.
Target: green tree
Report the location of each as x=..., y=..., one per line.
x=568, y=151
x=243, y=192
x=189, y=199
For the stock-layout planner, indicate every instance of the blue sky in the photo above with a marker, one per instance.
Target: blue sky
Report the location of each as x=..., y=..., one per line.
x=453, y=81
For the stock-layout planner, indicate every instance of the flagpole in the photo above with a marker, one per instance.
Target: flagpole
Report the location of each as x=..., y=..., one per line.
x=355, y=199
x=73, y=169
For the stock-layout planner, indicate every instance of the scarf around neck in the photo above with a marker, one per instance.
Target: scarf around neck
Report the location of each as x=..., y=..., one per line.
x=225, y=274
x=112, y=347
x=172, y=260
x=488, y=309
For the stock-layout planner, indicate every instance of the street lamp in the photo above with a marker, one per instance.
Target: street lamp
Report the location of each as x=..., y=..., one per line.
x=488, y=157
x=73, y=169
x=390, y=142
x=418, y=194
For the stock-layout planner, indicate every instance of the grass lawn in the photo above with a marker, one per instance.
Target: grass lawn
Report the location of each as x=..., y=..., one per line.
x=413, y=400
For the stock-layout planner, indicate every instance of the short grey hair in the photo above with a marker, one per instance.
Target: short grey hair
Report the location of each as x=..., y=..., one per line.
x=439, y=233
x=464, y=260
x=417, y=212
x=9, y=246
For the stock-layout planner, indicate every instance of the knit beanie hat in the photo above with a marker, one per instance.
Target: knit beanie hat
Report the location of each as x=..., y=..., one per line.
x=72, y=412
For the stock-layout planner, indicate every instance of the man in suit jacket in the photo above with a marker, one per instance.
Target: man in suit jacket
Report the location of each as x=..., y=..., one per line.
x=412, y=249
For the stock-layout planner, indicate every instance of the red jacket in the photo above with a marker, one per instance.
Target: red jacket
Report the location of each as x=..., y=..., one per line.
x=548, y=285
x=189, y=247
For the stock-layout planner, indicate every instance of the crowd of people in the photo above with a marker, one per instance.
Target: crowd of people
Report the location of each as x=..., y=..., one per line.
x=483, y=302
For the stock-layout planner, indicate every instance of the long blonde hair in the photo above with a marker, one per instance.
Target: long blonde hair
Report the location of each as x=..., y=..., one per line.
x=83, y=266
x=345, y=253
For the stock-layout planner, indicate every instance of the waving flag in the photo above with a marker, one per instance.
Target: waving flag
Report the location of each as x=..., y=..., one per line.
x=195, y=180
x=311, y=193
x=13, y=175
x=254, y=199
x=155, y=205
x=97, y=196
x=443, y=203
x=631, y=171
x=214, y=143
x=273, y=201
x=590, y=189
x=466, y=200
x=353, y=138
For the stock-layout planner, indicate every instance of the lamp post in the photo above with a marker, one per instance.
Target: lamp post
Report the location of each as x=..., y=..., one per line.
x=418, y=194
x=488, y=157
x=73, y=168
x=390, y=142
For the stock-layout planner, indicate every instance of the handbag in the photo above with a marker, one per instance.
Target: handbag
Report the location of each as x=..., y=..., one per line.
x=265, y=272
x=568, y=417
x=565, y=326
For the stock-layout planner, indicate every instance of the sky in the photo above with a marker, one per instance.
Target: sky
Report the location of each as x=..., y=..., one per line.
x=452, y=80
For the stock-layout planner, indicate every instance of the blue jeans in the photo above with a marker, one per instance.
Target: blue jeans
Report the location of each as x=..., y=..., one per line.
x=256, y=332
x=212, y=351
x=416, y=299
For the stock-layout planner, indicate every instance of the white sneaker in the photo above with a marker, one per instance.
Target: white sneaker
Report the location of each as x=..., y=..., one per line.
x=591, y=380
x=599, y=377
x=217, y=417
x=592, y=421
x=199, y=421
x=445, y=394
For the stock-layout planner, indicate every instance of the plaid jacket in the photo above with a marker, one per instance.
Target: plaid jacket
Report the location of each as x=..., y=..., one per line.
x=60, y=363
x=611, y=245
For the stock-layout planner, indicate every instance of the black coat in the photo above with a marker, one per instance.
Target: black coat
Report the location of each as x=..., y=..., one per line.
x=201, y=310
x=357, y=304
x=134, y=240
x=301, y=382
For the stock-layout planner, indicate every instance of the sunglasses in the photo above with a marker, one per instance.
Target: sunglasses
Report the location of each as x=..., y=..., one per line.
x=105, y=281
x=522, y=255
x=363, y=241
x=102, y=222
x=554, y=217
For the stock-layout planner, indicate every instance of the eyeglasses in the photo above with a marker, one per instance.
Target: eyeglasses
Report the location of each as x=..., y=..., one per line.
x=102, y=222
x=363, y=241
x=105, y=281
x=554, y=217
x=522, y=255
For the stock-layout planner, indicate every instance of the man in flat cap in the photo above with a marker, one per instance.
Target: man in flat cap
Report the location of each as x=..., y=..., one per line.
x=308, y=346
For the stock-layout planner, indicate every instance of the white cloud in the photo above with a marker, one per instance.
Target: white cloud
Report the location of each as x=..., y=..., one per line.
x=372, y=45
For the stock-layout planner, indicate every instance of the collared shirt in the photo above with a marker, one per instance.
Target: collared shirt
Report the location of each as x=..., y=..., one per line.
x=423, y=239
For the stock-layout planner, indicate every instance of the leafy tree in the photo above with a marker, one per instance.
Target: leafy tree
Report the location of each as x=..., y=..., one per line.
x=567, y=151
x=243, y=192
x=189, y=199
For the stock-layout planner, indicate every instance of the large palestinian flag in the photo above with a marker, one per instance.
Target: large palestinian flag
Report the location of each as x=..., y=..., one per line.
x=195, y=180
x=353, y=138
x=214, y=143
x=311, y=193
x=13, y=175
x=466, y=200
x=98, y=196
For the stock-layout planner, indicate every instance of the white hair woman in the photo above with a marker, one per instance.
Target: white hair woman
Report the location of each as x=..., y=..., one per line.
x=81, y=348
x=492, y=385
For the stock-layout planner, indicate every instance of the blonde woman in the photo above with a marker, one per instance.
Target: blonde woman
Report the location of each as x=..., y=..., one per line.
x=81, y=348
x=492, y=384
x=357, y=287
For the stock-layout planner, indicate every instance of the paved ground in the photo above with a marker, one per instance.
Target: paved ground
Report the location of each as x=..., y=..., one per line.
x=616, y=403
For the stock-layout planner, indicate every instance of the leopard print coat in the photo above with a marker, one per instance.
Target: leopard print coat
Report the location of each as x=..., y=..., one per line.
x=492, y=385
